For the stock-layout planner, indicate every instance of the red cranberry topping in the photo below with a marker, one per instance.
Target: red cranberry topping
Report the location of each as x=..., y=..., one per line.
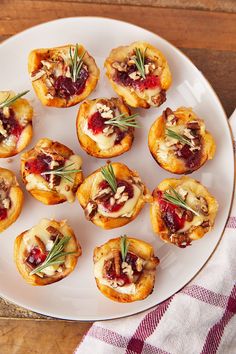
x=66, y=88
x=192, y=158
x=36, y=257
x=112, y=208
x=150, y=82
x=169, y=215
x=128, y=187
x=11, y=125
x=96, y=123
x=39, y=164
x=3, y=213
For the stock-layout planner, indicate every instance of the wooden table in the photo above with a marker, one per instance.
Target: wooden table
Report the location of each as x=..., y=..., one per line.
x=204, y=30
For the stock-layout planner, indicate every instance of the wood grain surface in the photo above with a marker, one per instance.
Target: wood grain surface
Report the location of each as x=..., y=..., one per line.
x=208, y=38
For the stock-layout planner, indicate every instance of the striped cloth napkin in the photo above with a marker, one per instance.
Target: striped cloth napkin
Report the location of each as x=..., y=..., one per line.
x=198, y=319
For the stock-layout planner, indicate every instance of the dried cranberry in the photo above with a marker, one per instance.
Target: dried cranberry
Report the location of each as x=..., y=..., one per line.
x=110, y=273
x=66, y=88
x=3, y=213
x=38, y=165
x=150, y=82
x=119, y=135
x=11, y=124
x=96, y=123
x=36, y=257
x=131, y=260
x=192, y=158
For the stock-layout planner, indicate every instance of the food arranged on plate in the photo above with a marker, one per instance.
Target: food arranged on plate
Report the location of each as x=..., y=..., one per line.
x=179, y=142
x=62, y=76
x=51, y=172
x=112, y=196
x=105, y=127
x=46, y=253
x=139, y=73
x=15, y=123
x=182, y=211
x=11, y=198
x=125, y=268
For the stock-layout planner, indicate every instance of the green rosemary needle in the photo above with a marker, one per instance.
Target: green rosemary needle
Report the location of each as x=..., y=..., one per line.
x=76, y=63
x=139, y=60
x=124, y=245
x=172, y=134
x=9, y=101
x=109, y=175
x=55, y=256
x=62, y=172
x=176, y=199
x=123, y=121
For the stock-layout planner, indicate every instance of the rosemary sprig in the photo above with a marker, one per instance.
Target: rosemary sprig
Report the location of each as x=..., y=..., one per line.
x=176, y=199
x=124, y=245
x=9, y=101
x=139, y=60
x=62, y=172
x=55, y=255
x=172, y=134
x=123, y=121
x=76, y=63
x=109, y=175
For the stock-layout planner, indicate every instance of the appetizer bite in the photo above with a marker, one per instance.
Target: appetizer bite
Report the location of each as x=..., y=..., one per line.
x=112, y=196
x=182, y=211
x=124, y=269
x=62, y=76
x=105, y=127
x=11, y=199
x=46, y=253
x=15, y=123
x=179, y=142
x=51, y=172
x=139, y=73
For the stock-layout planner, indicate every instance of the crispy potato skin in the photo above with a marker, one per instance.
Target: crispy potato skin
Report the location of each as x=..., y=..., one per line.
x=48, y=197
x=89, y=145
x=21, y=107
x=17, y=198
x=146, y=281
x=119, y=54
x=196, y=187
x=122, y=172
x=39, y=86
x=71, y=260
x=177, y=165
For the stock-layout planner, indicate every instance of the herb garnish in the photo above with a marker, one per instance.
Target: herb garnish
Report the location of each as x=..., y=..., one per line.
x=62, y=172
x=123, y=121
x=176, y=199
x=172, y=134
x=76, y=63
x=109, y=175
x=55, y=255
x=124, y=245
x=139, y=60
x=9, y=101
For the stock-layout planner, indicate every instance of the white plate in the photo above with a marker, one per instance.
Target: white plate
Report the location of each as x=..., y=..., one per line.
x=77, y=297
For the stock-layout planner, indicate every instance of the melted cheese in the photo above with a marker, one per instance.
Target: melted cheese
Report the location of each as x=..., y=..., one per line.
x=104, y=142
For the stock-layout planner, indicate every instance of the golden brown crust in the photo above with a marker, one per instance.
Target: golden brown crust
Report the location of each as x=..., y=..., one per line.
x=88, y=144
x=173, y=164
x=40, y=87
x=48, y=197
x=22, y=112
x=20, y=255
x=158, y=224
x=131, y=96
x=145, y=283
x=121, y=172
x=16, y=198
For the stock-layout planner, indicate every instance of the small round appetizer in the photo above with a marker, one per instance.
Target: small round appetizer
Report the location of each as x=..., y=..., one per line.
x=182, y=211
x=15, y=123
x=179, y=142
x=105, y=127
x=46, y=253
x=112, y=196
x=139, y=73
x=11, y=199
x=62, y=76
x=124, y=269
x=51, y=172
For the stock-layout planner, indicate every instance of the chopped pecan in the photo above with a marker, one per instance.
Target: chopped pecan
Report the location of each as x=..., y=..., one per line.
x=40, y=244
x=203, y=205
x=205, y=224
x=90, y=210
x=54, y=232
x=116, y=254
x=193, y=125
x=160, y=98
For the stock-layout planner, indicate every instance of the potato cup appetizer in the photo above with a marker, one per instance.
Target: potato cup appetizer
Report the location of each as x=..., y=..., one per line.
x=182, y=211
x=179, y=142
x=105, y=127
x=112, y=196
x=11, y=199
x=62, y=76
x=51, y=172
x=15, y=123
x=46, y=253
x=124, y=269
x=139, y=73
